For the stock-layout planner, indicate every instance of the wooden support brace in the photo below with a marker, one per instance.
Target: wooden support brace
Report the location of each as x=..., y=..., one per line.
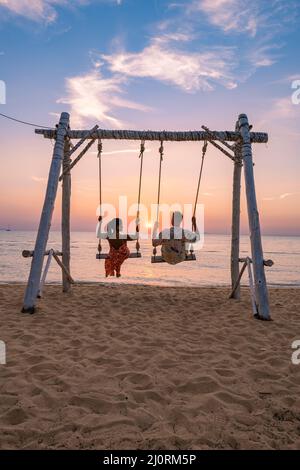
x=64, y=269
x=252, y=289
x=79, y=157
x=238, y=280
x=43, y=280
x=267, y=262
x=247, y=264
x=222, y=150
x=212, y=142
x=29, y=254
x=230, y=147
x=75, y=147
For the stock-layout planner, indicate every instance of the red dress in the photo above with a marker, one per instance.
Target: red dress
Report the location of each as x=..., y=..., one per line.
x=115, y=260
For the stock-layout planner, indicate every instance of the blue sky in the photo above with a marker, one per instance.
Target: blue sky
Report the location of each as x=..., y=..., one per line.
x=158, y=64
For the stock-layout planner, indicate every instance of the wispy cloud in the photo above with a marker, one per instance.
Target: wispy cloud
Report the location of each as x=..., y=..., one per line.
x=179, y=55
x=33, y=9
x=38, y=179
x=280, y=197
x=163, y=61
x=250, y=28
x=229, y=15
x=250, y=18
x=283, y=108
x=91, y=96
x=43, y=10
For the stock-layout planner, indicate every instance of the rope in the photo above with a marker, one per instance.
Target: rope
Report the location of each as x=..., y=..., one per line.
x=161, y=154
x=141, y=156
x=25, y=122
x=204, y=149
x=194, y=223
x=100, y=189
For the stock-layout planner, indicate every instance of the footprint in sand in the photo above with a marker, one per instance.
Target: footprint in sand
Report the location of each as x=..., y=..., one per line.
x=138, y=381
x=204, y=384
x=14, y=417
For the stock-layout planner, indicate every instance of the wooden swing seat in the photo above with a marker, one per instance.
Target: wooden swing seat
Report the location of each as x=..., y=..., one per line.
x=106, y=255
x=160, y=259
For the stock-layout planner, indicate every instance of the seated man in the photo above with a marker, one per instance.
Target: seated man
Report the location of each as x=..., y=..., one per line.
x=173, y=240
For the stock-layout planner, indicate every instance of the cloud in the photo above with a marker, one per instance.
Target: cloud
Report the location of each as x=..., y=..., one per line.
x=229, y=15
x=250, y=18
x=43, y=10
x=190, y=71
x=282, y=111
x=38, y=179
x=91, y=96
x=263, y=56
x=33, y=9
x=283, y=108
x=280, y=197
x=179, y=54
x=289, y=79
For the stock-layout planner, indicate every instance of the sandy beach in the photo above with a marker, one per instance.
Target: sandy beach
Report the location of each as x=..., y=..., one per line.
x=141, y=367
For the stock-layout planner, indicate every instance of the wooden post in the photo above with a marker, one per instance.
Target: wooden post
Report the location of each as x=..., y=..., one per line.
x=261, y=289
x=46, y=216
x=65, y=216
x=235, y=227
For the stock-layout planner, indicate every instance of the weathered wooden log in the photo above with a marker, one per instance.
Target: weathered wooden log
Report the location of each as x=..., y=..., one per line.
x=29, y=254
x=235, y=223
x=229, y=136
x=65, y=216
x=261, y=289
x=46, y=217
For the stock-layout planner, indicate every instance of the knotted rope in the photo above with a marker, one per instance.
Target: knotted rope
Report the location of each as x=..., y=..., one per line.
x=141, y=156
x=100, y=189
x=161, y=155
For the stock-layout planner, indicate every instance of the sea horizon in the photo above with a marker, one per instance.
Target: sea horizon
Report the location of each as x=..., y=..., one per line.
x=212, y=267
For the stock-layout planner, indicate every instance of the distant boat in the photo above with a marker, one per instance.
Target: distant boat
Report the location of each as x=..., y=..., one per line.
x=8, y=229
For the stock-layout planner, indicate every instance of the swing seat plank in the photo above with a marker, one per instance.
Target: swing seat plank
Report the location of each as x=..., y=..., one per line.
x=160, y=259
x=106, y=255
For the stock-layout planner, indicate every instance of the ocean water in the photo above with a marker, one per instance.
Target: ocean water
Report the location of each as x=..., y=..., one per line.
x=211, y=268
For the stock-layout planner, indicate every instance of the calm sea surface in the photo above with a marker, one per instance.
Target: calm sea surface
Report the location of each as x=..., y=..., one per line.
x=211, y=267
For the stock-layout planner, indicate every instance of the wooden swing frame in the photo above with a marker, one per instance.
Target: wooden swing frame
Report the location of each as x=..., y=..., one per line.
x=240, y=152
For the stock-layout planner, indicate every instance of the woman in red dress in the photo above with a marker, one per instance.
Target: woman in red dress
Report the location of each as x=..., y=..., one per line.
x=118, y=249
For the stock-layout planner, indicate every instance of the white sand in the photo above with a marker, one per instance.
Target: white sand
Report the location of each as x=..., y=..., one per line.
x=148, y=367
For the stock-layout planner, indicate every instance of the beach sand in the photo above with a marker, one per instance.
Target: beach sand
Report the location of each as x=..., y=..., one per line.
x=142, y=367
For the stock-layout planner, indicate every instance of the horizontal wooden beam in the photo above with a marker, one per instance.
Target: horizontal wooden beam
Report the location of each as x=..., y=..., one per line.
x=29, y=254
x=192, y=136
x=267, y=262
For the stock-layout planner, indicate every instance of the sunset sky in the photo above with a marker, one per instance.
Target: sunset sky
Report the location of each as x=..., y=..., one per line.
x=151, y=64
